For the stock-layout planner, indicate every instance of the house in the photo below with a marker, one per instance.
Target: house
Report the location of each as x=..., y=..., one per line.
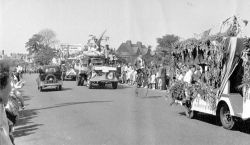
x=130, y=52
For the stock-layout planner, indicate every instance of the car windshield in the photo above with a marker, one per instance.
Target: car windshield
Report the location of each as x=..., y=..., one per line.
x=51, y=69
x=84, y=62
x=97, y=61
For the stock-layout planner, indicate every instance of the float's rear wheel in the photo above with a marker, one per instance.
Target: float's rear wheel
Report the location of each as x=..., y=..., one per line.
x=114, y=85
x=226, y=119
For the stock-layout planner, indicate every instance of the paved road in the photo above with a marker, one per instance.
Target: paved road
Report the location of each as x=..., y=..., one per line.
x=79, y=116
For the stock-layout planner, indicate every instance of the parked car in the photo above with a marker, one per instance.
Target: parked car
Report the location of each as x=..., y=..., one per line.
x=49, y=76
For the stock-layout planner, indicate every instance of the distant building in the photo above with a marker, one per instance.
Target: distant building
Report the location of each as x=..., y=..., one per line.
x=18, y=56
x=130, y=52
x=69, y=49
x=2, y=55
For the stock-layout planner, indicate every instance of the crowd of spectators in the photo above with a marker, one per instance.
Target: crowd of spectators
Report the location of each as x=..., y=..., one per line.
x=154, y=76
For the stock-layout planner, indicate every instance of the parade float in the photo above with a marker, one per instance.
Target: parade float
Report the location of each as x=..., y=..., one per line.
x=93, y=65
x=222, y=89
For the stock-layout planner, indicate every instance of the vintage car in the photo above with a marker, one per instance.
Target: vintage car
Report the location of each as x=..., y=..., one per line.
x=70, y=74
x=49, y=76
x=82, y=70
x=101, y=74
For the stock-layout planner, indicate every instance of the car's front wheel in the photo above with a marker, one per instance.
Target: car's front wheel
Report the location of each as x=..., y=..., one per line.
x=60, y=87
x=114, y=85
x=40, y=89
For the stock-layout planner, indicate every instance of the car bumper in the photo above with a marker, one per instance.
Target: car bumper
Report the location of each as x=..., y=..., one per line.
x=96, y=80
x=70, y=76
x=59, y=83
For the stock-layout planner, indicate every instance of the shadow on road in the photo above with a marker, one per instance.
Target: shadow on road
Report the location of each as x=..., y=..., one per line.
x=26, y=98
x=26, y=130
x=24, y=125
x=243, y=127
x=54, y=89
x=109, y=86
x=204, y=118
x=71, y=103
x=151, y=97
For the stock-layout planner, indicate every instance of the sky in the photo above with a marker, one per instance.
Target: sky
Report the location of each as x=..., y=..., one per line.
x=136, y=20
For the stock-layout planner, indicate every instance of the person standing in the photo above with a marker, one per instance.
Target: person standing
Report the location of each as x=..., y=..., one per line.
x=119, y=71
x=125, y=73
x=188, y=79
x=5, y=89
x=152, y=80
x=106, y=54
x=163, y=77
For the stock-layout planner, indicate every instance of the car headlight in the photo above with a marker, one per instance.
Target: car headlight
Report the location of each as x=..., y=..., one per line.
x=110, y=75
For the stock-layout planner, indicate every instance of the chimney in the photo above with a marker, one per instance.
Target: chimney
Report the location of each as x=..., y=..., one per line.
x=128, y=42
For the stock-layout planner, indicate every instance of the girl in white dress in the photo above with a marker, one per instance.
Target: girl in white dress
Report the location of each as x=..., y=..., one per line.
x=153, y=80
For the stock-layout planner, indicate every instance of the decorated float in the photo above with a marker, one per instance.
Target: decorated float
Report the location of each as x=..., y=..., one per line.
x=94, y=67
x=223, y=88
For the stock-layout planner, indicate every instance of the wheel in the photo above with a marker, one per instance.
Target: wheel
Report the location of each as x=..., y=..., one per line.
x=114, y=85
x=40, y=89
x=226, y=119
x=90, y=85
x=191, y=114
x=60, y=87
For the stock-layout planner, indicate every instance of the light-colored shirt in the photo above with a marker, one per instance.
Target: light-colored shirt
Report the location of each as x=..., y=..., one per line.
x=19, y=69
x=180, y=77
x=188, y=77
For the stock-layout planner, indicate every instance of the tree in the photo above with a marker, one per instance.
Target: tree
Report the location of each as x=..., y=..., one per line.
x=166, y=43
x=48, y=37
x=42, y=46
x=45, y=38
x=34, y=44
x=44, y=56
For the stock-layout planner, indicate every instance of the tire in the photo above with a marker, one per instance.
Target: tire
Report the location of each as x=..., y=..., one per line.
x=188, y=112
x=226, y=119
x=60, y=87
x=114, y=85
x=191, y=114
x=40, y=89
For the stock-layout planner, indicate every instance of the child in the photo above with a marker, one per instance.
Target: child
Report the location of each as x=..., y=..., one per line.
x=153, y=81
